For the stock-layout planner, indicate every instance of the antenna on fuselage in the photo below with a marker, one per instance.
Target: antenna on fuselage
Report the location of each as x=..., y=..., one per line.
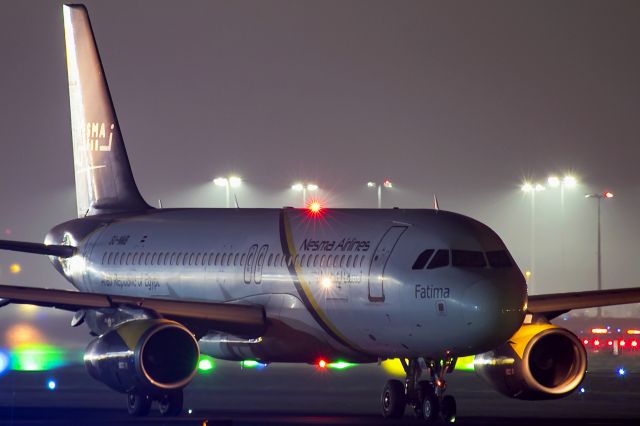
x=235, y=197
x=159, y=203
x=435, y=202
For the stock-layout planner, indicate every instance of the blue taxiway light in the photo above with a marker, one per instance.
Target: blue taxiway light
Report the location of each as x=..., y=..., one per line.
x=51, y=384
x=621, y=371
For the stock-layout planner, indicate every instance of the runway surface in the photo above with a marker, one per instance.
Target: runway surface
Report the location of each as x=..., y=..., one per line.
x=291, y=395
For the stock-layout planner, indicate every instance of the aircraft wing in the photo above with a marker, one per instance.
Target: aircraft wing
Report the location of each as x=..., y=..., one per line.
x=553, y=305
x=244, y=320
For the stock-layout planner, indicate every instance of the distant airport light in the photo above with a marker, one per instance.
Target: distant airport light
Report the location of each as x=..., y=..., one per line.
x=539, y=187
x=622, y=343
x=596, y=342
x=371, y=184
x=585, y=342
x=378, y=187
x=582, y=390
x=304, y=187
x=526, y=187
x=220, y=181
x=5, y=362
x=387, y=183
x=634, y=343
x=599, y=330
x=235, y=181
x=569, y=181
x=633, y=331
x=251, y=363
x=51, y=384
x=15, y=268
x=553, y=181
x=341, y=365
x=621, y=371
x=312, y=187
x=297, y=187
x=608, y=194
x=610, y=343
x=322, y=363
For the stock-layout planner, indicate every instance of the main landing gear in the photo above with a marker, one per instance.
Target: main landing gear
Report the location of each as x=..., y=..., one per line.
x=426, y=397
x=169, y=404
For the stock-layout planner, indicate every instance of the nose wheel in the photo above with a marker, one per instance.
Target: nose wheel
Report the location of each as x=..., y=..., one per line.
x=426, y=397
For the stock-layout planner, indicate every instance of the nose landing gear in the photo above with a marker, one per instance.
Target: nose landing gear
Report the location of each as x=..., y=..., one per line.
x=426, y=397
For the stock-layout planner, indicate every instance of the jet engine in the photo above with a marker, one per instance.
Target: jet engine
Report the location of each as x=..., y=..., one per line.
x=540, y=361
x=148, y=355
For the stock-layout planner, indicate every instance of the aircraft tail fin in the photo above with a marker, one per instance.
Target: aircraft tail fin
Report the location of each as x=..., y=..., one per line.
x=104, y=181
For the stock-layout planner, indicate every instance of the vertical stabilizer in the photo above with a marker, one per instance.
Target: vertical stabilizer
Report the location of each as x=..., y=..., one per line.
x=104, y=182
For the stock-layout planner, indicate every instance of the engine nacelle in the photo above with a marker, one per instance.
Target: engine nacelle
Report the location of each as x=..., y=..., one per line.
x=149, y=354
x=540, y=361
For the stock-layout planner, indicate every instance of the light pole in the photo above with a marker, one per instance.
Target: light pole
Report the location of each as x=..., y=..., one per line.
x=226, y=182
x=599, y=197
x=304, y=187
x=386, y=183
x=531, y=189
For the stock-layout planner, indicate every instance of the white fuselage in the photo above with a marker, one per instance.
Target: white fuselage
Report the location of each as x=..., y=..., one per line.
x=340, y=283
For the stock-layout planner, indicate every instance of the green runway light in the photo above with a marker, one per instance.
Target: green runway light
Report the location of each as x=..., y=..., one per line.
x=36, y=357
x=249, y=363
x=206, y=363
x=341, y=365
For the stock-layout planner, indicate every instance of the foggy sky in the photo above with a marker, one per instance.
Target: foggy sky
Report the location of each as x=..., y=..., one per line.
x=460, y=99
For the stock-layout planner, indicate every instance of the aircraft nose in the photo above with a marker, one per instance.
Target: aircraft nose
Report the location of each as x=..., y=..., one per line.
x=493, y=311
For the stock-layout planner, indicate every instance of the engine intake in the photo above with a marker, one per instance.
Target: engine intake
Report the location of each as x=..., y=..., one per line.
x=149, y=354
x=540, y=361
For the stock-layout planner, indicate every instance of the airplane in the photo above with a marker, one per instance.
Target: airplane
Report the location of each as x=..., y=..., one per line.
x=158, y=287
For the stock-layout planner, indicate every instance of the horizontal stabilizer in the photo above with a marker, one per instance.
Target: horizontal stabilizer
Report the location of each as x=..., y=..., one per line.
x=38, y=248
x=245, y=320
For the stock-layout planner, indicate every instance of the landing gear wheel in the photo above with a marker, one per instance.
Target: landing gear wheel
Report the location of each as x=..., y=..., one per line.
x=430, y=406
x=393, y=400
x=138, y=404
x=448, y=409
x=171, y=404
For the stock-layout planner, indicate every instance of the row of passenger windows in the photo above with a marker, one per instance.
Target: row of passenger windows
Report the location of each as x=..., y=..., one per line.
x=229, y=259
x=462, y=258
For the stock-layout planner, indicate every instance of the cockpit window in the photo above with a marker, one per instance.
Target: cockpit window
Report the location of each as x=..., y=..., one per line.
x=499, y=259
x=439, y=260
x=468, y=259
x=422, y=259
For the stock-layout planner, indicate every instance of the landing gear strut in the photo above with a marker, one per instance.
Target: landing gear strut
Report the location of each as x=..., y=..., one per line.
x=426, y=397
x=169, y=404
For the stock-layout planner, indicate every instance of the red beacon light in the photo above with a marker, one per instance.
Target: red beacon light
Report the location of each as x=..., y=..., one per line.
x=314, y=207
x=322, y=363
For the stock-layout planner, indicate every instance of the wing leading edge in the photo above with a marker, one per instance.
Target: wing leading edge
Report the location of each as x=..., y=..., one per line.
x=552, y=305
x=245, y=320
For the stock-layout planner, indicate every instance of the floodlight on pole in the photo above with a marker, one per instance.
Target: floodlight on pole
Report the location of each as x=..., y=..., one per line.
x=226, y=182
x=386, y=183
x=304, y=187
x=602, y=196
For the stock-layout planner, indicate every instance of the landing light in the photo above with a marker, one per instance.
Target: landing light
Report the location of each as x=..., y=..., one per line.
x=326, y=282
x=15, y=268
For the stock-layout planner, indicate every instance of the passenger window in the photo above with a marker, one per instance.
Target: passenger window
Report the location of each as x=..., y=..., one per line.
x=355, y=261
x=129, y=256
x=348, y=261
x=342, y=261
x=302, y=259
x=224, y=259
x=276, y=262
x=153, y=259
x=198, y=258
x=439, y=260
x=209, y=259
x=499, y=259
x=309, y=259
x=191, y=256
x=235, y=259
x=361, y=261
x=244, y=255
x=336, y=261
x=468, y=259
x=422, y=259
x=229, y=259
x=179, y=259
